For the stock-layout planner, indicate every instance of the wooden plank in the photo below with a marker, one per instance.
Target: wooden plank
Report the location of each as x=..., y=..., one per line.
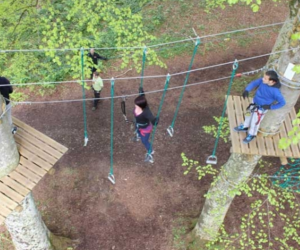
x=31, y=166
x=5, y=201
x=279, y=152
x=270, y=147
x=240, y=119
x=4, y=211
x=35, y=150
x=2, y=219
x=232, y=123
x=26, y=172
x=288, y=126
x=21, y=179
x=295, y=148
x=282, y=134
x=40, y=135
x=40, y=144
x=15, y=185
x=32, y=157
x=13, y=195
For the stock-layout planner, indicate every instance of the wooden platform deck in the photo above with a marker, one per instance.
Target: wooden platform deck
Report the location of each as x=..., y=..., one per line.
x=38, y=154
x=267, y=146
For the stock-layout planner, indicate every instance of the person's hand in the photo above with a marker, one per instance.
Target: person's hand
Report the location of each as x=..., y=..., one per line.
x=266, y=107
x=245, y=94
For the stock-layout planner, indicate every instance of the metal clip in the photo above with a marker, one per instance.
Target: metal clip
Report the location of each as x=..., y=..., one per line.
x=111, y=178
x=86, y=139
x=212, y=160
x=170, y=130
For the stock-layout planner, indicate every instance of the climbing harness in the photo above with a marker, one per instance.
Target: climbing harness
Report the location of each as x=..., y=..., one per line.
x=111, y=176
x=149, y=155
x=288, y=176
x=86, y=139
x=143, y=66
x=212, y=159
x=170, y=129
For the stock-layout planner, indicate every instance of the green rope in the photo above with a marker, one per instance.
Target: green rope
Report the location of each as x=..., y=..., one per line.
x=158, y=112
x=112, y=127
x=234, y=68
x=83, y=97
x=143, y=66
x=186, y=80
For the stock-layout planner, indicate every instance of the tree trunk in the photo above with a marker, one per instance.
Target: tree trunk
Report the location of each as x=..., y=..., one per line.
x=239, y=166
x=9, y=155
x=27, y=228
x=219, y=197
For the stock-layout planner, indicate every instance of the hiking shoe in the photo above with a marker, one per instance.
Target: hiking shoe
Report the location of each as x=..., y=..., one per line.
x=14, y=130
x=248, y=139
x=240, y=128
x=93, y=108
x=149, y=158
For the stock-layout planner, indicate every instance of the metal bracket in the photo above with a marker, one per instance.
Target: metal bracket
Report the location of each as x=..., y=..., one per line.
x=170, y=130
x=149, y=158
x=212, y=160
x=111, y=178
x=86, y=139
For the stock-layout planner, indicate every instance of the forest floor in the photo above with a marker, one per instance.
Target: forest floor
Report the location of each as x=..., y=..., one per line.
x=146, y=207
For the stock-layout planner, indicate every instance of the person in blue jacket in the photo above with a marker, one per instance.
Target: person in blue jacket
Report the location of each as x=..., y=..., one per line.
x=267, y=96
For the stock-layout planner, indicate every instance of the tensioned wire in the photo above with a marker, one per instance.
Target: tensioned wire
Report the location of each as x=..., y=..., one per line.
x=160, y=76
x=130, y=95
x=149, y=46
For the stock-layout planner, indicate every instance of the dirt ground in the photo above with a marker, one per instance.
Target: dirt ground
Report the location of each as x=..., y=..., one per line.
x=140, y=211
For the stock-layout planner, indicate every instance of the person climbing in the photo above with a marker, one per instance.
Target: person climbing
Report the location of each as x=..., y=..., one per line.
x=5, y=90
x=97, y=87
x=144, y=121
x=95, y=56
x=267, y=97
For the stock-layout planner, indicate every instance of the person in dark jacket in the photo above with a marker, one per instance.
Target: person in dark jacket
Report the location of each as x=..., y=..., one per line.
x=5, y=90
x=95, y=57
x=267, y=97
x=144, y=121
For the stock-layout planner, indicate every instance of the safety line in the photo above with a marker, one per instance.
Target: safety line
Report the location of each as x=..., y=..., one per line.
x=130, y=95
x=159, y=76
x=149, y=46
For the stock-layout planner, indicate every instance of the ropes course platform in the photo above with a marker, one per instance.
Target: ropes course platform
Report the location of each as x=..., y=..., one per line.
x=267, y=146
x=38, y=154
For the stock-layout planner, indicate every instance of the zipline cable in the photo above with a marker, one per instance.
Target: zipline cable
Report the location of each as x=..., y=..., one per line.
x=149, y=156
x=86, y=139
x=213, y=158
x=149, y=46
x=170, y=129
x=163, y=76
x=111, y=176
x=131, y=95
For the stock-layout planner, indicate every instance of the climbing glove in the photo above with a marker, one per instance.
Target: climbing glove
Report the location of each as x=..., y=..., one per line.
x=245, y=94
x=265, y=107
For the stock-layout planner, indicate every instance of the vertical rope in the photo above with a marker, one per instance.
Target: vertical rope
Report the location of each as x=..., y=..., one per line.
x=83, y=97
x=185, y=81
x=112, y=126
x=143, y=66
x=158, y=112
x=234, y=68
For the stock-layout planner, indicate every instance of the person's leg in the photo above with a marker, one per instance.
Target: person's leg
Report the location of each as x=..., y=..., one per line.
x=145, y=140
x=257, y=118
x=96, y=95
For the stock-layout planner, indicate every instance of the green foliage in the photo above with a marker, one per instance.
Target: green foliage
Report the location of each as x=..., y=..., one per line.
x=213, y=130
x=18, y=96
x=293, y=135
x=202, y=171
x=65, y=25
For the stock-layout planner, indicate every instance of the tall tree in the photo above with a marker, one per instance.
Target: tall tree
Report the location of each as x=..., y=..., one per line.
x=9, y=155
x=239, y=166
